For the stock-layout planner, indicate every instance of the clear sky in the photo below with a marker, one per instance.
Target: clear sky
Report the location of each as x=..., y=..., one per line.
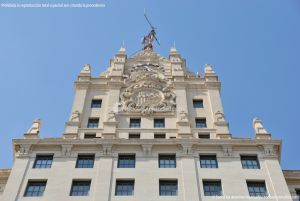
x=253, y=45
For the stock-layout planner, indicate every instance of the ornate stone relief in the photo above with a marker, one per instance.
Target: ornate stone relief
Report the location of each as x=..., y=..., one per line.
x=147, y=91
x=35, y=128
x=66, y=149
x=227, y=150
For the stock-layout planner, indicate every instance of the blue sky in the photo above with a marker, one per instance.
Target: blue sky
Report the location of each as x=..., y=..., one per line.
x=253, y=46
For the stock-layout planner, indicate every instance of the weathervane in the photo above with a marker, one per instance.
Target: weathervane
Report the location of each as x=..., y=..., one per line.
x=148, y=40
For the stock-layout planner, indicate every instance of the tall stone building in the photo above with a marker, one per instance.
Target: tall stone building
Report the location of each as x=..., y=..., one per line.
x=147, y=129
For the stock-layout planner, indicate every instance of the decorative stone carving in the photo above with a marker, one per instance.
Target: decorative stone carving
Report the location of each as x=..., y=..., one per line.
x=269, y=150
x=66, y=149
x=183, y=116
x=227, y=150
x=35, y=128
x=220, y=117
x=258, y=126
x=186, y=149
x=22, y=149
x=147, y=91
x=147, y=148
x=208, y=68
x=86, y=68
x=107, y=149
x=75, y=116
x=112, y=116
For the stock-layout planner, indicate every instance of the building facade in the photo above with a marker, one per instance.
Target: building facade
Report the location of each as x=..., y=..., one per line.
x=147, y=129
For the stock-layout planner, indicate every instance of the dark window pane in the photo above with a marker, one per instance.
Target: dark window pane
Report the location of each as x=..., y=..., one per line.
x=159, y=123
x=135, y=123
x=212, y=188
x=257, y=189
x=80, y=188
x=134, y=136
x=208, y=161
x=198, y=103
x=167, y=161
x=93, y=123
x=43, y=161
x=298, y=194
x=204, y=136
x=89, y=135
x=126, y=161
x=96, y=103
x=168, y=188
x=85, y=161
x=124, y=188
x=201, y=123
x=159, y=136
x=35, y=188
x=250, y=162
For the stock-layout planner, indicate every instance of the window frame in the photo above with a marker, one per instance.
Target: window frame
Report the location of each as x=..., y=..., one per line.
x=82, y=193
x=249, y=166
x=257, y=185
x=87, y=158
x=158, y=124
x=212, y=184
x=204, y=123
x=40, y=192
x=208, y=158
x=124, y=183
x=136, y=124
x=197, y=101
x=168, y=184
x=129, y=158
x=167, y=157
x=93, y=123
x=43, y=166
x=96, y=105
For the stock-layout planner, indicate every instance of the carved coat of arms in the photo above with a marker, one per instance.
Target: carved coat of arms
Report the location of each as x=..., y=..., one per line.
x=147, y=91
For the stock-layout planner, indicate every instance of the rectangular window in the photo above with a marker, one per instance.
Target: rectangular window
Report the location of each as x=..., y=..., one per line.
x=85, y=161
x=168, y=187
x=212, y=188
x=257, y=189
x=167, y=161
x=201, y=123
x=89, y=135
x=159, y=123
x=124, y=187
x=250, y=162
x=134, y=136
x=80, y=188
x=159, y=136
x=298, y=194
x=43, y=161
x=96, y=103
x=198, y=103
x=208, y=161
x=35, y=188
x=135, y=123
x=126, y=161
x=93, y=123
x=203, y=136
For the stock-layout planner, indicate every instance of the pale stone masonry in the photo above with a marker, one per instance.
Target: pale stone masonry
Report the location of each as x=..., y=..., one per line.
x=147, y=129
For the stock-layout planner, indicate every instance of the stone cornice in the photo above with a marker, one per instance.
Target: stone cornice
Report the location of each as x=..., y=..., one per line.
x=218, y=142
x=291, y=175
x=4, y=174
